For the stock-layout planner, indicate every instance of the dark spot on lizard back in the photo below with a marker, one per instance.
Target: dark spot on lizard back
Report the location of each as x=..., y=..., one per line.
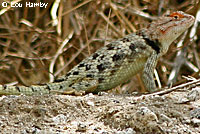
x=132, y=47
x=4, y=87
x=71, y=84
x=114, y=70
x=81, y=65
x=101, y=67
x=68, y=74
x=88, y=67
x=117, y=57
x=110, y=46
x=100, y=80
x=102, y=57
x=87, y=85
x=90, y=76
x=76, y=73
x=95, y=55
x=61, y=87
x=124, y=40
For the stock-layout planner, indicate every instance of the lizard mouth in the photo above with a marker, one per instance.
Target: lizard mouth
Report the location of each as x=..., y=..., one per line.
x=191, y=20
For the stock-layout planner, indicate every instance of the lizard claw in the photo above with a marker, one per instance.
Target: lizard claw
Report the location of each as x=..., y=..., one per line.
x=69, y=91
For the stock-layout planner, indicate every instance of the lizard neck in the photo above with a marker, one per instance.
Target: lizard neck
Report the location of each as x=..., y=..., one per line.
x=158, y=41
x=151, y=40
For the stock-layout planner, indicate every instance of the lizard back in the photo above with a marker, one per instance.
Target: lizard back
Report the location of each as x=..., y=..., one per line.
x=110, y=65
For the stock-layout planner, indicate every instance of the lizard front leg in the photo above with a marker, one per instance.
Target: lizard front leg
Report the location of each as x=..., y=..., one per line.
x=147, y=74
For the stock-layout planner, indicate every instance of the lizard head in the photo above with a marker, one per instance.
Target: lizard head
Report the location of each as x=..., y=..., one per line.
x=169, y=27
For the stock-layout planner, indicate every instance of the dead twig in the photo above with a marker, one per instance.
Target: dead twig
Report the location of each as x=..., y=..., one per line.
x=60, y=50
x=197, y=82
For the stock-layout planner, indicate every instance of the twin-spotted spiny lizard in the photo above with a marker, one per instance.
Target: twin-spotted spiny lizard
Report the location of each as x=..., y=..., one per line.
x=116, y=62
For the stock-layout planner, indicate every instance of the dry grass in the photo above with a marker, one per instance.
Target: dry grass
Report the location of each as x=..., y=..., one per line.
x=33, y=50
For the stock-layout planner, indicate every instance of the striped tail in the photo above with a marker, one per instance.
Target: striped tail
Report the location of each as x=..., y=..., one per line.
x=17, y=90
x=49, y=88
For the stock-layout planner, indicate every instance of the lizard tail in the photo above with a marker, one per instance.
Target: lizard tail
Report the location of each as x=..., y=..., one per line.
x=17, y=90
x=48, y=88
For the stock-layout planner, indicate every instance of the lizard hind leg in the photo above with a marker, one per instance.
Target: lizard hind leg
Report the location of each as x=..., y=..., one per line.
x=87, y=85
x=81, y=87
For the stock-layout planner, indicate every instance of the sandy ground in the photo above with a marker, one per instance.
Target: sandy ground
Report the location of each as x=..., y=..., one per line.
x=172, y=113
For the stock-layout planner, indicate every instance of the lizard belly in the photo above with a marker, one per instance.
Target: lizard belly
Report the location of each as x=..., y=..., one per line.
x=123, y=74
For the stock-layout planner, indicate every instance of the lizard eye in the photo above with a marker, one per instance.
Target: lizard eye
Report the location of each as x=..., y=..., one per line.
x=176, y=17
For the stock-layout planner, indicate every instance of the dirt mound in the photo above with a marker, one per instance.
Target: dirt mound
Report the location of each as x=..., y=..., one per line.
x=176, y=112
